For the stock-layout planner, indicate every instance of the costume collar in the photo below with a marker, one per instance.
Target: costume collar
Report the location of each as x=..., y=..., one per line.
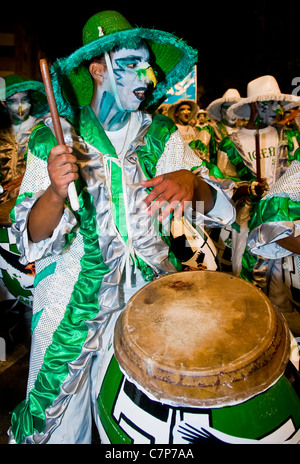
x=93, y=133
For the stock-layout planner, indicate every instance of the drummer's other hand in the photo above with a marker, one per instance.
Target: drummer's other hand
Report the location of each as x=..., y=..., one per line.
x=170, y=191
x=259, y=189
x=62, y=169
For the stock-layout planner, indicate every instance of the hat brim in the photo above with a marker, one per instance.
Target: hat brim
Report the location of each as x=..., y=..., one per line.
x=241, y=109
x=172, y=60
x=214, y=108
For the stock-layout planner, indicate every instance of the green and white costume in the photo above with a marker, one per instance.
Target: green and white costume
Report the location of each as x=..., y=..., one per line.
x=237, y=153
x=80, y=269
x=14, y=138
x=100, y=255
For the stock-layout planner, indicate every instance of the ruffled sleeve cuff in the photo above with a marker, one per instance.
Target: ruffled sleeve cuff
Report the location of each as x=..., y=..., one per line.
x=55, y=244
x=262, y=240
x=223, y=212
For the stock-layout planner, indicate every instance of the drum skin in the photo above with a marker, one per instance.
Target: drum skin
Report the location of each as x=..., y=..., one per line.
x=200, y=357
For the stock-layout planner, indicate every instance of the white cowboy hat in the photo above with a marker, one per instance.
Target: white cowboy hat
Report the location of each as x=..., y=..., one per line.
x=214, y=108
x=264, y=88
x=174, y=106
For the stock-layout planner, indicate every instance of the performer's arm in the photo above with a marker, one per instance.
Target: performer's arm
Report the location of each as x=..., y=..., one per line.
x=174, y=189
x=47, y=211
x=290, y=243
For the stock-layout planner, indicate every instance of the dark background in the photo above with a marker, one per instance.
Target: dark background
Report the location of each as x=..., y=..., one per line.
x=236, y=41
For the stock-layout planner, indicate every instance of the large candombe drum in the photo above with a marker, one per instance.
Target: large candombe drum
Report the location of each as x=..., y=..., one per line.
x=199, y=357
x=15, y=278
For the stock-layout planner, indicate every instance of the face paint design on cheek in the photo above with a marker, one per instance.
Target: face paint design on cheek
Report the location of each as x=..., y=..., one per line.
x=133, y=75
x=267, y=111
x=108, y=116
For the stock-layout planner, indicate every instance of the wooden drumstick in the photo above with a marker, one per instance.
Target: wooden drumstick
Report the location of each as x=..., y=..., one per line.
x=257, y=149
x=57, y=125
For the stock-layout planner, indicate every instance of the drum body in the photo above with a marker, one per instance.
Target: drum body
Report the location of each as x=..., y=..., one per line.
x=16, y=278
x=196, y=370
x=193, y=246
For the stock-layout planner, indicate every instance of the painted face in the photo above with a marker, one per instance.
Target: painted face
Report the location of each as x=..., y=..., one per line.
x=133, y=75
x=267, y=111
x=18, y=107
x=183, y=114
x=224, y=114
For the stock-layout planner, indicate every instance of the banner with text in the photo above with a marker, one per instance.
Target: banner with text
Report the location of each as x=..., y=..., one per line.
x=187, y=88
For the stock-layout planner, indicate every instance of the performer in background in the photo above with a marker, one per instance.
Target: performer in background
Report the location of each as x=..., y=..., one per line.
x=254, y=156
x=217, y=112
x=271, y=260
x=183, y=113
x=25, y=101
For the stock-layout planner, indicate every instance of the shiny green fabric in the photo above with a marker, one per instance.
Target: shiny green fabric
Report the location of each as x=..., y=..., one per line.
x=212, y=142
x=198, y=145
x=71, y=333
x=235, y=158
x=41, y=141
x=290, y=133
x=156, y=138
x=69, y=337
x=18, y=200
x=48, y=270
x=92, y=132
x=275, y=209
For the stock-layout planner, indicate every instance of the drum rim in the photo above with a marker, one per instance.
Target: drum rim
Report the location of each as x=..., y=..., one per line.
x=213, y=390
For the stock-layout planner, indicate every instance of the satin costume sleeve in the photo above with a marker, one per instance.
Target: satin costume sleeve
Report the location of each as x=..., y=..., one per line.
x=277, y=216
x=35, y=182
x=178, y=155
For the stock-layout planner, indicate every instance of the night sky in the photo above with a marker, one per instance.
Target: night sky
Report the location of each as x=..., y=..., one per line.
x=236, y=41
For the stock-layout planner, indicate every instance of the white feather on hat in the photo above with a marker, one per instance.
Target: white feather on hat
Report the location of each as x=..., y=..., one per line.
x=214, y=108
x=264, y=88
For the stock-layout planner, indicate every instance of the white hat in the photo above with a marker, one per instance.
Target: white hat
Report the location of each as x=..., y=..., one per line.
x=214, y=108
x=264, y=88
x=194, y=108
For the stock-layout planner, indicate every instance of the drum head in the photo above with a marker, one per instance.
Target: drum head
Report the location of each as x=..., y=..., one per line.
x=202, y=339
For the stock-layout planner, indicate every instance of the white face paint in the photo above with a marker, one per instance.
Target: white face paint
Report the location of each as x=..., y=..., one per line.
x=133, y=75
x=267, y=111
x=18, y=106
x=224, y=115
x=125, y=81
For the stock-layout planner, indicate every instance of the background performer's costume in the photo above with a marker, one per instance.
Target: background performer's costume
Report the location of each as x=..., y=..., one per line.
x=14, y=137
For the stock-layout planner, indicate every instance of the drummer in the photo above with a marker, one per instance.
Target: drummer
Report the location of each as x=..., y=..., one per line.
x=23, y=102
x=88, y=264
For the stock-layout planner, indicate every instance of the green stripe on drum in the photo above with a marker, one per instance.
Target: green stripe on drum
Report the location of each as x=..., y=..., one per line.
x=4, y=235
x=259, y=418
x=106, y=399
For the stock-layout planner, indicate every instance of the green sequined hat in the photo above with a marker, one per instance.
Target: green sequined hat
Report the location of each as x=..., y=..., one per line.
x=172, y=59
x=15, y=84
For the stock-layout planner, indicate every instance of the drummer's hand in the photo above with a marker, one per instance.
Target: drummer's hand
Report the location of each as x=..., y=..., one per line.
x=171, y=191
x=62, y=169
x=258, y=189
